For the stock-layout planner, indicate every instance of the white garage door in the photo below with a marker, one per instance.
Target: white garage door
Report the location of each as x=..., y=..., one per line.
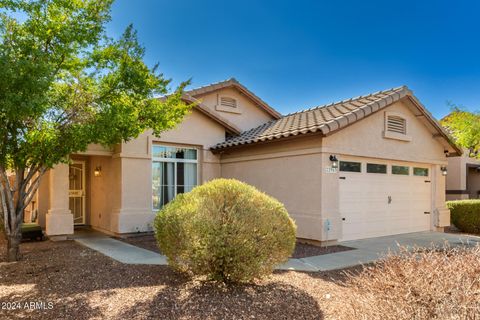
x=383, y=198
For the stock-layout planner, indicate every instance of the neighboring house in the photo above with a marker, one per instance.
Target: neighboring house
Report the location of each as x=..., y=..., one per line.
x=463, y=180
x=364, y=167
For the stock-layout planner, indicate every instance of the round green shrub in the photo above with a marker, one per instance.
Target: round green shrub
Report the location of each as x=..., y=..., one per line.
x=226, y=230
x=465, y=215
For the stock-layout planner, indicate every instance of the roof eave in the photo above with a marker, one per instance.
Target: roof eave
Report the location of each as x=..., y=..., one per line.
x=337, y=124
x=434, y=123
x=274, y=113
x=265, y=141
x=234, y=83
x=206, y=111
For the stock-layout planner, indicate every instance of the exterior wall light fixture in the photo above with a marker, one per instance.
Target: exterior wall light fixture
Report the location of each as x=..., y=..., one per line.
x=98, y=171
x=444, y=171
x=334, y=160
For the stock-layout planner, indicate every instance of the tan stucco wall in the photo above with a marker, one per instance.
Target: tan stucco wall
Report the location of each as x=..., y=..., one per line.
x=295, y=171
x=451, y=197
x=52, y=202
x=251, y=115
x=132, y=210
x=43, y=199
x=457, y=177
x=365, y=138
x=101, y=193
x=59, y=219
x=120, y=200
x=473, y=183
x=289, y=171
x=463, y=181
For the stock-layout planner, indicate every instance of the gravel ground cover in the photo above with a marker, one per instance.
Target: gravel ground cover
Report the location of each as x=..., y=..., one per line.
x=64, y=280
x=302, y=250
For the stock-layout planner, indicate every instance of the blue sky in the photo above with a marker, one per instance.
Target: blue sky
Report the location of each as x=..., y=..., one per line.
x=299, y=54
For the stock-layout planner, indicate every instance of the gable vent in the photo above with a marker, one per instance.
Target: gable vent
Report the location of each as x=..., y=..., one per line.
x=396, y=124
x=228, y=102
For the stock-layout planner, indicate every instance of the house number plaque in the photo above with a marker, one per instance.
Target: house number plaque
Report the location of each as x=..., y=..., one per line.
x=330, y=170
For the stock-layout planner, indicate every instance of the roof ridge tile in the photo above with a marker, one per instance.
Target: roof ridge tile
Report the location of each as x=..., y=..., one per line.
x=347, y=100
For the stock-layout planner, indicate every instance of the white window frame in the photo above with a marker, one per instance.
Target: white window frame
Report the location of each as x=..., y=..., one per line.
x=174, y=161
x=396, y=135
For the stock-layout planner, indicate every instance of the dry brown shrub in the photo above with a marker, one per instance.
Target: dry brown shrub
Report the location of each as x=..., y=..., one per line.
x=438, y=283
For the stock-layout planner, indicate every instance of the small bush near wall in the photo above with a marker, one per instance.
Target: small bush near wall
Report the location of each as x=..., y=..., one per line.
x=225, y=230
x=423, y=284
x=465, y=215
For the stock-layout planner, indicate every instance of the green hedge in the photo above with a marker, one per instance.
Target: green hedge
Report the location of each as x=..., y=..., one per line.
x=465, y=215
x=225, y=230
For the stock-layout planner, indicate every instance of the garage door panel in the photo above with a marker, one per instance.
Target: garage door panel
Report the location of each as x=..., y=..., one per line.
x=375, y=227
x=363, y=203
x=362, y=217
x=398, y=225
x=352, y=229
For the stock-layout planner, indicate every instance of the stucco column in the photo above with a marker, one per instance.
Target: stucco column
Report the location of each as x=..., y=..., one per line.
x=457, y=177
x=59, y=219
x=441, y=215
x=132, y=201
x=331, y=221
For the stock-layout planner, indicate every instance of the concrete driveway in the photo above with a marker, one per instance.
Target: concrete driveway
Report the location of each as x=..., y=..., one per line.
x=369, y=250
x=366, y=250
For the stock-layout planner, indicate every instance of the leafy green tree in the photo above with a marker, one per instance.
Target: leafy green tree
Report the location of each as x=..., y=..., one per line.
x=464, y=126
x=65, y=84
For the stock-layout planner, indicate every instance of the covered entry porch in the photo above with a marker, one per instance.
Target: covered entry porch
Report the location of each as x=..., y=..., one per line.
x=108, y=191
x=80, y=193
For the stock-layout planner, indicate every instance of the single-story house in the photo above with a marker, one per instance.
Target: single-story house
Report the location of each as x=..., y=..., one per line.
x=463, y=180
x=364, y=167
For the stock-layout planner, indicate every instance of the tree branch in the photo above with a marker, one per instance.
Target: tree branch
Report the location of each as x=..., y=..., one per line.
x=26, y=180
x=32, y=190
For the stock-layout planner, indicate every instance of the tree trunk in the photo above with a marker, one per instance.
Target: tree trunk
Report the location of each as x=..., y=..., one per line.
x=13, y=248
x=14, y=197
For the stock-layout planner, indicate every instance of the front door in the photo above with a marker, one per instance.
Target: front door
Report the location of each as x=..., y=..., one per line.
x=76, y=191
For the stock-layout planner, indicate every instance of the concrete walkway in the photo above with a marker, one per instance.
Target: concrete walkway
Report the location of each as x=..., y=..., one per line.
x=119, y=250
x=370, y=250
x=366, y=251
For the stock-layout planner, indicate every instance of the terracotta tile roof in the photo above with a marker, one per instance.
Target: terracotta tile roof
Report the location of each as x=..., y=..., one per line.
x=232, y=82
x=326, y=119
